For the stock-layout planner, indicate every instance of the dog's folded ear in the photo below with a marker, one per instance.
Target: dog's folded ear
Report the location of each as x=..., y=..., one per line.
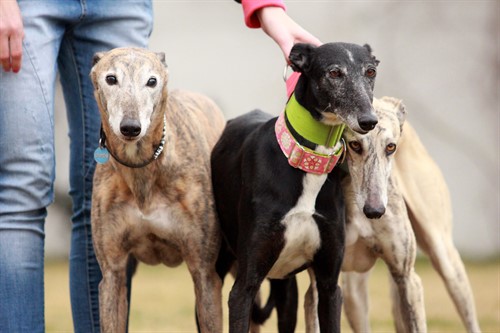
x=400, y=109
x=161, y=56
x=401, y=114
x=300, y=57
x=369, y=48
x=97, y=57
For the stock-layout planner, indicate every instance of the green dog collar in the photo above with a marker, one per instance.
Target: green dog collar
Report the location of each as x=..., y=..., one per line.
x=309, y=128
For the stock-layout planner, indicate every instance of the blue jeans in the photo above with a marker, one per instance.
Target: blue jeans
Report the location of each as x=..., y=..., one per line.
x=60, y=36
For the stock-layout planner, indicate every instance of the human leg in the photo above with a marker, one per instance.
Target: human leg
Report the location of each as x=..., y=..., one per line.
x=26, y=175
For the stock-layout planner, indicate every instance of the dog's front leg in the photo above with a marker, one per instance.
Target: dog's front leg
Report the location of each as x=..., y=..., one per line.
x=253, y=266
x=329, y=297
x=398, y=248
x=326, y=266
x=113, y=300
x=311, y=305
x=208, y=293
x=355, y=290
x=329, y=305
x=408, y=304
x=240, y=302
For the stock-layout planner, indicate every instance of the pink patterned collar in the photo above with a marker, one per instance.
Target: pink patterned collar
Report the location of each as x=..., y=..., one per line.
x=304, y=158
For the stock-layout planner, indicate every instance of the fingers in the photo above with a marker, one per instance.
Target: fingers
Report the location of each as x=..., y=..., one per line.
x=16, y=53
x=5, y=53
x=11, y=51
x=11, y=36
x=284, y=30
x=306, y=37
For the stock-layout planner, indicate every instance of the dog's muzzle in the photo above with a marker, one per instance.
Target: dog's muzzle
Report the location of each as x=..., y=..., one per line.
x=130, y=128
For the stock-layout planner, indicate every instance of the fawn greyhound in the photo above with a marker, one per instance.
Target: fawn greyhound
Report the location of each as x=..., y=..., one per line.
x=280, y=204
x=414, y=200
x=153, y=199
x=377, y=226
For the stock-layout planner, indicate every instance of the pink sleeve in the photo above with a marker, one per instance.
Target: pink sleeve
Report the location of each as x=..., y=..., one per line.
x=251, y=6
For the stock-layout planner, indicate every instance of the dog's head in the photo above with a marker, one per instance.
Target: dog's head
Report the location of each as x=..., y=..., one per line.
x=337, y=83
x=370, y=156
x=130, y=88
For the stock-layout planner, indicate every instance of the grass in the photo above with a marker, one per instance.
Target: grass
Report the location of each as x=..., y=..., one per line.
x=163, y=299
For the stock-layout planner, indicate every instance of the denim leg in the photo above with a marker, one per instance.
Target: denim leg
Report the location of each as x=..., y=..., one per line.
x=21, y=272
x=27, y=168
x=104, y=25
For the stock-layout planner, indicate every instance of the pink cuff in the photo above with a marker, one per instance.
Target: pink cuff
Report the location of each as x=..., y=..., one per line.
x=251, y=6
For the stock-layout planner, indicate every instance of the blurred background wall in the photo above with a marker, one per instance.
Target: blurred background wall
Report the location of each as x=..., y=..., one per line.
x=440, y=57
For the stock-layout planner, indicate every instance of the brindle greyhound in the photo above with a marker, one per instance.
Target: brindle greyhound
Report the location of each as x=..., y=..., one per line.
x=153, y=199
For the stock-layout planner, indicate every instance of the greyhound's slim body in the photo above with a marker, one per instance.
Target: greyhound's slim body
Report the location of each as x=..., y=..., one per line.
x=153, y=199
x=278, y=219
x=392, y=205
x=378, y=225
x=429, y=208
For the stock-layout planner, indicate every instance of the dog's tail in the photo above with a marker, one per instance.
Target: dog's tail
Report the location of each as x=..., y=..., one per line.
x=260, y=315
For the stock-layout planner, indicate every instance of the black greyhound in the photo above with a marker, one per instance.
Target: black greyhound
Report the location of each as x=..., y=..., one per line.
x=280, y=205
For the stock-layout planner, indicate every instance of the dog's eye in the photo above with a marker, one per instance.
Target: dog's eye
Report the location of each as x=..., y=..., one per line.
x=355, y=146
x=390, y=148
x=151, y=82
x=371, y=72
x=335, y=73
x=111, y=80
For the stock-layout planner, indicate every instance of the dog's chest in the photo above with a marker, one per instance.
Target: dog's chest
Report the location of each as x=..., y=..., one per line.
x=154, y=232
x=302, y=238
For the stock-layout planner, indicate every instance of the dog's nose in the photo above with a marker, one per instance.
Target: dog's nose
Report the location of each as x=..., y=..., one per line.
x=373, y=212
x=130, y=127
x=367, y=122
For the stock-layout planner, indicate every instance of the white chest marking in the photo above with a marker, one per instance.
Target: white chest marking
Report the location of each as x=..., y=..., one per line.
x=159, y=221
x=302, y=238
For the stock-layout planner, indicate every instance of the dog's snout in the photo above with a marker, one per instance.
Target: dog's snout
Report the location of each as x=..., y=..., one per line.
x=130, y=127
x=372, y=212
x=367, y=122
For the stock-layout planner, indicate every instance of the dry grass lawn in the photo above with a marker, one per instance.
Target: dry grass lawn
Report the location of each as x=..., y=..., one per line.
x=163, y=300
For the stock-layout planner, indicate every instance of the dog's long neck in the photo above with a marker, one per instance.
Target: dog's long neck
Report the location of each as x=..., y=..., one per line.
x=304, y=122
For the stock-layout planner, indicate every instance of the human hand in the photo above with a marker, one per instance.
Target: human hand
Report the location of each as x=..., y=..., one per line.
x=11, y=35
x=283, y=30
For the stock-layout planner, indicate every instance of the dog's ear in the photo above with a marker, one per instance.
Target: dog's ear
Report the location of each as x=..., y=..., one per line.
x=397, y=105
x=401, y=115
x=300, y=56
x=97, y=57
x=161, y=56
x=369, y=49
